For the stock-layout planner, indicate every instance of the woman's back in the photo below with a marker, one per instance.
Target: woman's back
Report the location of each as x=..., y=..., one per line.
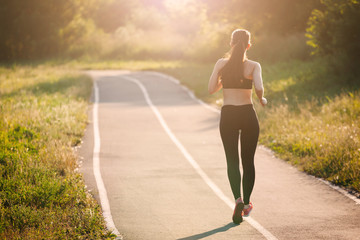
x=239, y=95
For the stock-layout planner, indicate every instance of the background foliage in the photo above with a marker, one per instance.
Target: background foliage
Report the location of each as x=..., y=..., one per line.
x=335, y=32
x=121, y=29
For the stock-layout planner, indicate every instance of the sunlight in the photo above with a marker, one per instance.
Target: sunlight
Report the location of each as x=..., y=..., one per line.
x=176, y=5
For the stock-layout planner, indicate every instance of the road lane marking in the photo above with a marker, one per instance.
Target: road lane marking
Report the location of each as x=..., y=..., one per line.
x=352, y=197
x=193, y=163
x=213, y=109
x=96, y=167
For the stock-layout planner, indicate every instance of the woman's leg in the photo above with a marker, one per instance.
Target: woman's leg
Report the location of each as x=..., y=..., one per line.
x=249, y=139
x=230, y=138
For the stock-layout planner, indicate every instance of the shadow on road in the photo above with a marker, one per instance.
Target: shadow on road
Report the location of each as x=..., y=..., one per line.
x=211, y=232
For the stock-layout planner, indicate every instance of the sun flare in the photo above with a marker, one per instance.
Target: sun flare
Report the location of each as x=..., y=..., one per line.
x=176, y=4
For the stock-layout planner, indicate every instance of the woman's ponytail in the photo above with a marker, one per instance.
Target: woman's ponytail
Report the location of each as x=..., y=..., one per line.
x=235, y=66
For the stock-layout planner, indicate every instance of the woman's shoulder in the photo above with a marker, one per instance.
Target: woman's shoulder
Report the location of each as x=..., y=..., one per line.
x=221, y=62
x=253, y=63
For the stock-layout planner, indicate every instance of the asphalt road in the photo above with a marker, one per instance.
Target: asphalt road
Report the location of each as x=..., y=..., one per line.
x=154, y=191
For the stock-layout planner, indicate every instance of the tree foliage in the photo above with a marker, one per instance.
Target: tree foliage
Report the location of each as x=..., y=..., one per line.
x=282, y=17
x=112, y=14
x=35, y=28
x=335, y=32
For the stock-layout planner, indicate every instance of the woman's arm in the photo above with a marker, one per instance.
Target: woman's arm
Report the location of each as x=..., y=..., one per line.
x=258, y=83
x=214, y=82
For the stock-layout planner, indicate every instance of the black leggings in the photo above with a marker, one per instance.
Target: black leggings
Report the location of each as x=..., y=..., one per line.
x=233, y=120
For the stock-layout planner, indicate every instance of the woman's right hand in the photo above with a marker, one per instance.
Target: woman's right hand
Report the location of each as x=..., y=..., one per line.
x=263, y=101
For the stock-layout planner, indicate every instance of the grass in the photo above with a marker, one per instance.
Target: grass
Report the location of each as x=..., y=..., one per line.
x=321, y=140
x=313, y=121
x=43, y=117
x=134, y=65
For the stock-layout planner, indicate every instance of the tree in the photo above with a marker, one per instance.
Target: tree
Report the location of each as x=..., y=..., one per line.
x=112, y=14
x=32, y=29
x=276, y=17
x=335, y=32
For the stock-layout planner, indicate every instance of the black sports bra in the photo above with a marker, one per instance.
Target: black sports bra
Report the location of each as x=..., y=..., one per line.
x=240, y=83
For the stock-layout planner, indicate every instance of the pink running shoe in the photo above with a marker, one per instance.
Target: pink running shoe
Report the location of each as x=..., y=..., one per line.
x=246, y=211
x=237, y=216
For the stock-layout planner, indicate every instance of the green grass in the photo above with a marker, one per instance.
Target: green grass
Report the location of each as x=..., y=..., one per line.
x=134, y=65
x=42, y=118
x=313, y=121
x=322, y=140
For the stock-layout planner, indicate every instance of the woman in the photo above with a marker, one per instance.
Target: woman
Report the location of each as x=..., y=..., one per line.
x=236, y=75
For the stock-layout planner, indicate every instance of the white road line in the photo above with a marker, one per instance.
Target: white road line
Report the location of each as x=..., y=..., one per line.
x=357, y=200
x=213, y=109
x=193, y=163
x=96, y=167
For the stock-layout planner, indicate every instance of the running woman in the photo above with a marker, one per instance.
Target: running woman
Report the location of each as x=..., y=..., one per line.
x=236, y=75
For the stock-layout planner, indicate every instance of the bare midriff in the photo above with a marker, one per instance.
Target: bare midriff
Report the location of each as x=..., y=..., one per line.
x=237, y=96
